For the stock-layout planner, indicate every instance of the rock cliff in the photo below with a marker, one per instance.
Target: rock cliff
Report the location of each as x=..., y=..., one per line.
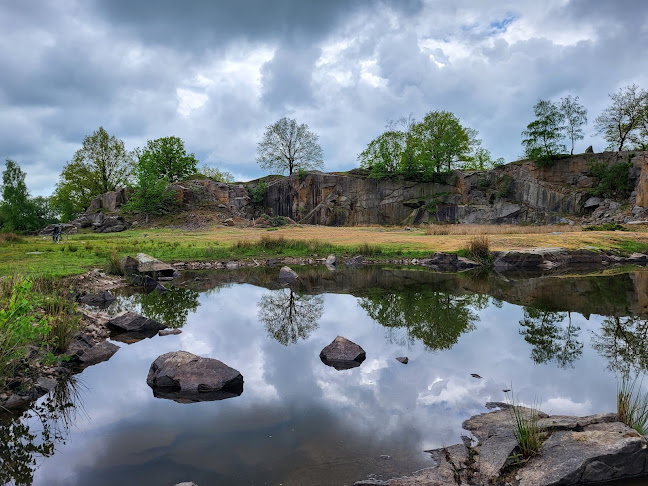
x=519, y=192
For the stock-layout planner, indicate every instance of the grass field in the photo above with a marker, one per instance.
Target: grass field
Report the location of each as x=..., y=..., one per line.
x=37, y=256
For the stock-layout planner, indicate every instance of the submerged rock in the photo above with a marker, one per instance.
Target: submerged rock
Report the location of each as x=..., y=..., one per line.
x=342, y=354
x=185, y=378
x=287, y=275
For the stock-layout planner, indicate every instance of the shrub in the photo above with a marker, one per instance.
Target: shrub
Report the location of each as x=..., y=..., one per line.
x=19, y=327
x=114, y=266
x=612, y=181
x=301, y=174
x=632, y=407
x=479, y=247
x=9, y=238
x=257, y=193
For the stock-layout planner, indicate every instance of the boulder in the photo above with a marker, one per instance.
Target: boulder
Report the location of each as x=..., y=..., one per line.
x=330, y=260
x=342, y=354
x=146, y=265
x=228, y=222
x=102, y=351
x=101, y=299
x=112, y=224
x=129, y=327
x=403, y=359
x=185, y=377
x=354, y=262
x=589, y=150
x=287, y=275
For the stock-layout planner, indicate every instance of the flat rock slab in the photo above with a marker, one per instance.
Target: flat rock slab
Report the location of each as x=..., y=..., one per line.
x=601, y=452
x=169, y=332
x=342, y=354
x=185, y=377
x=146, y=264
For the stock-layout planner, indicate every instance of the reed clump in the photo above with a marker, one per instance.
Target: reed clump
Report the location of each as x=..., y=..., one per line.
x=479, y=248
x=528, y=431
x=632, y=406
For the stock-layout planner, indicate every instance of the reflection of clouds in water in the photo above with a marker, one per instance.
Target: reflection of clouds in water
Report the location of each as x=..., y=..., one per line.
x=289, y=392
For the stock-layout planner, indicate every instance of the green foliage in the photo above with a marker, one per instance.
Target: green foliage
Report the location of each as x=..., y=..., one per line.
x=613, y=181
x=302, y=174
x=482, y=160
x=100, y=166
x=19, y=212
x=575, y=116
x=166, y=159
x=257, y=193
x=625, y=122
x=632, y=406
x=285, y=145
x=19, y=328
x=527, y=429
x=605, y=227
x=383, y=155
x=504, y=186
x=216, y=175
x=542, y=136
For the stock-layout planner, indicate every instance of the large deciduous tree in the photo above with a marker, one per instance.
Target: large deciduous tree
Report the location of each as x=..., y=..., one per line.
x=575, y=116
x=287, y=145
x=543, y=135
x=169, y=158
x=621, y=123
x=383, y=155
x=101, y=165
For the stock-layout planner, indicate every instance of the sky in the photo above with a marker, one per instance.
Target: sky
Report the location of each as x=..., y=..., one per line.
x=216, y=73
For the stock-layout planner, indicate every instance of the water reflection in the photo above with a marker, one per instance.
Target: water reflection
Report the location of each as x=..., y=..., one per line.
x=170, y=308
x=433, y=317
x=289, y=316
x=551, y=341
x=27, y=439
x=623, y=341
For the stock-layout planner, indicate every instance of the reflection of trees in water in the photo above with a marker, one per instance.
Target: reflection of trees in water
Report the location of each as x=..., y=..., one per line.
x=435, y=318
x=551, y=342
x=170, y=308
x=26, y=439
x=623, y=341
x=289, y=316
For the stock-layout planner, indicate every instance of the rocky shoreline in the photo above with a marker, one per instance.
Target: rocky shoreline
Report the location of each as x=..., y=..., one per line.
x=90, y=346
x=577, y=450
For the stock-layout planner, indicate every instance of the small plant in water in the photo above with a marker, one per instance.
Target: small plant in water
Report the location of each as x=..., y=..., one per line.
x=632, y=407
x=527, y=429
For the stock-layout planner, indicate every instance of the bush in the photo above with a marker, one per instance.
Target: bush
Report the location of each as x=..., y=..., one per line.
x=479, y=248
x=19, y=328
x=613, y=181
x=257, y=193
x=9, y=238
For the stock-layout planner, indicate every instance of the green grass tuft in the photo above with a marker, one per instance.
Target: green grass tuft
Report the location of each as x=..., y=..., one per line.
x=527, y=429
x=632, y=407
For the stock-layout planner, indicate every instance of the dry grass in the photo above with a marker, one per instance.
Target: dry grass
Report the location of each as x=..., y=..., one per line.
x=479, y=247
x=9, y=238
x=497, y=229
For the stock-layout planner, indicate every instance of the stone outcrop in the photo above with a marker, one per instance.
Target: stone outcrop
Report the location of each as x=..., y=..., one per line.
x=185, y=377
x=110, y=201
x=144, y=264
x=578, y=450
x=342, y=354
x=514, y=193
x=208, y=193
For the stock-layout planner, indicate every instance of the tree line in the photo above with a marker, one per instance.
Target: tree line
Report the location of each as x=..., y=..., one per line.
x=411, y=149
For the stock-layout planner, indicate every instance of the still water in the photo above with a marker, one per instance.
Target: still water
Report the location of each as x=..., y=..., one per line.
x=558, y=340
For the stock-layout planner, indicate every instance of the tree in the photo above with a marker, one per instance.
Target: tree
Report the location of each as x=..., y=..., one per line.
x=215, y=174
x=384, y=154
x=482, y=160
x=19, y=212
x=621, y=122
x=101, y=165
x=545, y=132
x=150, y=194
x=440, y=141
x=575, y=116
x=168, y=157
x=288, y=146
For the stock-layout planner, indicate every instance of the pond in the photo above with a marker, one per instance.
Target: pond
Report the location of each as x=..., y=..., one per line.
x=557, y=340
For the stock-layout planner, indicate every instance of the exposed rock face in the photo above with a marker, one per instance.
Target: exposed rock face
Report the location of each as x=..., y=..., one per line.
x=110, y=201
x=342, y=354
x=208, y=193
x=185, y=377
x=513, y=193
x=579, y=450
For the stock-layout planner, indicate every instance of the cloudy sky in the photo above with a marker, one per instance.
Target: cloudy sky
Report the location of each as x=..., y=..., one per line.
x=215, y=73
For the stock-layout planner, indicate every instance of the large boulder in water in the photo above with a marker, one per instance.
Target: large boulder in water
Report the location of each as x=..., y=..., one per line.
x=342, y=354
x=185, y=378
x=129, y=327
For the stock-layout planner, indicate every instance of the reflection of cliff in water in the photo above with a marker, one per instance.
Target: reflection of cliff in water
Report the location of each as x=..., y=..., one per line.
x=608, y=295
